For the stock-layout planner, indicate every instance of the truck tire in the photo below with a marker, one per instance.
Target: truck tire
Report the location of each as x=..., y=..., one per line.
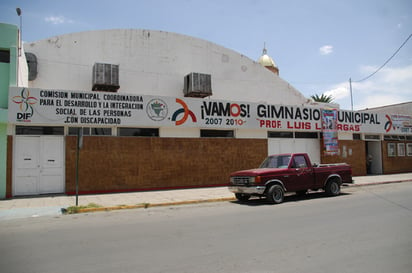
x=242, y=197
x=275, y=194
x=332, y=188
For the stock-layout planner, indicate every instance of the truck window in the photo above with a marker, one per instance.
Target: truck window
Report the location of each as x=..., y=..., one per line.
x=276, y=162
x=299, y=161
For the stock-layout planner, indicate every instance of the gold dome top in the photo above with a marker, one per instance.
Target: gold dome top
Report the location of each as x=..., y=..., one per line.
x=268, y=62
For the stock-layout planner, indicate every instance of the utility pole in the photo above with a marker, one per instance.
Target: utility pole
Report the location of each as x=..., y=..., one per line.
x=351, y=96
x=18, y=11
x=78, y=148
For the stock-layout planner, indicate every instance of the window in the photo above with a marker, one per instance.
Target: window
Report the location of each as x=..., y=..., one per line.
x=91, y=131
x=217, y=133
x=4, y=56
x=409, y=149
x=280, y=134
x=276, y=161
x=299, y=161
x=39, y=130
x=101, y=131
x=75, y=130
x=372, y=137
x=141, y=132
x=401, y=149
x=306, y=135
x=293, y=134
x=356, y=136
x=391, y=149
x=391, y=137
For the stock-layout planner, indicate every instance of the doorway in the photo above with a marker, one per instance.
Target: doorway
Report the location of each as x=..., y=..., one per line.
x=373, y=157
x=38, y=165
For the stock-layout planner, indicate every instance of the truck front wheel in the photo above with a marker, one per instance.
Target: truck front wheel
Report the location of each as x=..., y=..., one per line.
x=275, y=194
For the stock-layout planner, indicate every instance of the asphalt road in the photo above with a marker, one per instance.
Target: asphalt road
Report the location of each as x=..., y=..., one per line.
x=367, y=229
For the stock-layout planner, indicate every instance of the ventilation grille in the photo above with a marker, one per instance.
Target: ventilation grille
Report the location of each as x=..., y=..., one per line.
x=32, y=65
x=198, y=85
x=105, y=77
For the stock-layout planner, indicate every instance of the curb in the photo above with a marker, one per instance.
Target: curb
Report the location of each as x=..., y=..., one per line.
x=149, y=205
x=378, y=183
x=188, y=202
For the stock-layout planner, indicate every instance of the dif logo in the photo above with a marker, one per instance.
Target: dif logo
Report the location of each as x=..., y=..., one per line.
x=25, y=102
x=24, y=116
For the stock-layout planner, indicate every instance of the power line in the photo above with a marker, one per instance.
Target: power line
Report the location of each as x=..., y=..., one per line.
x=377, y=70
x=393, y=55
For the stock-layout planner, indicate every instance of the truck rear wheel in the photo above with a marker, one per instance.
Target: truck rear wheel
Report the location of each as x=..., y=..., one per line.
x=332, y=187
x=275, y=194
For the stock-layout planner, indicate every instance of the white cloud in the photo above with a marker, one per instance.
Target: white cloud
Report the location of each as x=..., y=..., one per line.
x=340, y=91
x=57, y=20
x=388, y=86
x=326, y=50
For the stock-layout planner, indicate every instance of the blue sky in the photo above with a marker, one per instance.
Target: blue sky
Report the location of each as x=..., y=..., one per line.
x=318, y=45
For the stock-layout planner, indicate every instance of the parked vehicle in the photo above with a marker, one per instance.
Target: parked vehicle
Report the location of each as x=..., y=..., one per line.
x=288, y=173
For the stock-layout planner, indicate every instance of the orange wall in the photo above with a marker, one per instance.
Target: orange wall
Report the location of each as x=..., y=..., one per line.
x=9, y=166
x=396, y=164
x=357, y=159
x=134, y=163
x=109, y=164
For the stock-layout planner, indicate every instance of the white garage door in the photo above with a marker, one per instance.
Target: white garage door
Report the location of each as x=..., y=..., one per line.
x=38, y=165
x=295, y=145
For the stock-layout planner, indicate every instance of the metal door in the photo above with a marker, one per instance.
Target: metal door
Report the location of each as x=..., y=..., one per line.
x=39, y=165
x=295, y=145
x=374, y=150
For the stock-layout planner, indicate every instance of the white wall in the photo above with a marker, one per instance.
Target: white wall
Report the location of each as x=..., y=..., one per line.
x=155, y=63
x=400, y=109
x=23, y=70
x=295, y=145
x=179, y=132
x=250, y=133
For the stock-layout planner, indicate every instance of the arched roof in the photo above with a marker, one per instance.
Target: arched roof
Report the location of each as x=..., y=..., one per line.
x=155, y=63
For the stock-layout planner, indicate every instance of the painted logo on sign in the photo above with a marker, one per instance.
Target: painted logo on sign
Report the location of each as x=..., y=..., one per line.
x=156, y=109
x=186, y=113
x=388, y=124
x=25, y=102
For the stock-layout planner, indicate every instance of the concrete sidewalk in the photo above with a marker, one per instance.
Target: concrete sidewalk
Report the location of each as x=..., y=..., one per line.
x=20, y=207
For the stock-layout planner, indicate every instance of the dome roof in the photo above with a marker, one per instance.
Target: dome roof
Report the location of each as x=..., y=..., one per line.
x=266, y=60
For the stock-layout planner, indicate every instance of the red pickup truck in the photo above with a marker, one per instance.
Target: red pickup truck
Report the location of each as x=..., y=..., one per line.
x=288, y=173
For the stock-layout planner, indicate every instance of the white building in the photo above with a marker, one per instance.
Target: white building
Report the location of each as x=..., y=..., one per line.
x=189, y=113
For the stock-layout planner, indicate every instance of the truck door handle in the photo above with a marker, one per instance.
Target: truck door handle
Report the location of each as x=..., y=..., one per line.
x=27, y=159
x=50, y=160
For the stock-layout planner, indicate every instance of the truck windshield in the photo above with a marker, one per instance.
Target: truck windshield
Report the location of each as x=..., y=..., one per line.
x=276, y=161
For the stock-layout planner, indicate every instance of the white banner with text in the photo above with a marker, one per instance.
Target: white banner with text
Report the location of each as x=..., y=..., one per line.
x=34, y=106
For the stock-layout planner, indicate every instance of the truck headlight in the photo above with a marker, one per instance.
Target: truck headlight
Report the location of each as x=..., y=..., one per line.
x=255, y=179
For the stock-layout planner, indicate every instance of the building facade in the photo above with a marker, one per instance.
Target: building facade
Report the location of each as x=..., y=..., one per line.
x=13, y=72
x=125, y=110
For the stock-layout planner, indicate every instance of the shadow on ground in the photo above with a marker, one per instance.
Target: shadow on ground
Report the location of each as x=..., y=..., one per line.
x=256, y=201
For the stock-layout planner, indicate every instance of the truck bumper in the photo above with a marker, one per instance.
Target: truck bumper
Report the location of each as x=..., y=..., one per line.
x=254, y=190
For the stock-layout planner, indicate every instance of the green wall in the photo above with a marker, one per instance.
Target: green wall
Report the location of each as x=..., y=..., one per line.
x=8, y=77
x=3, y=158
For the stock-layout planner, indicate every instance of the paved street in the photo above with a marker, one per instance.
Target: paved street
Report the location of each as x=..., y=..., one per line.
x=51, y=205
x=367, y=229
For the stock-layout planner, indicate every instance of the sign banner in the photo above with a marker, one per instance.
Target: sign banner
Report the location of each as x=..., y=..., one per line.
x=330, y=133
x=85, y=109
